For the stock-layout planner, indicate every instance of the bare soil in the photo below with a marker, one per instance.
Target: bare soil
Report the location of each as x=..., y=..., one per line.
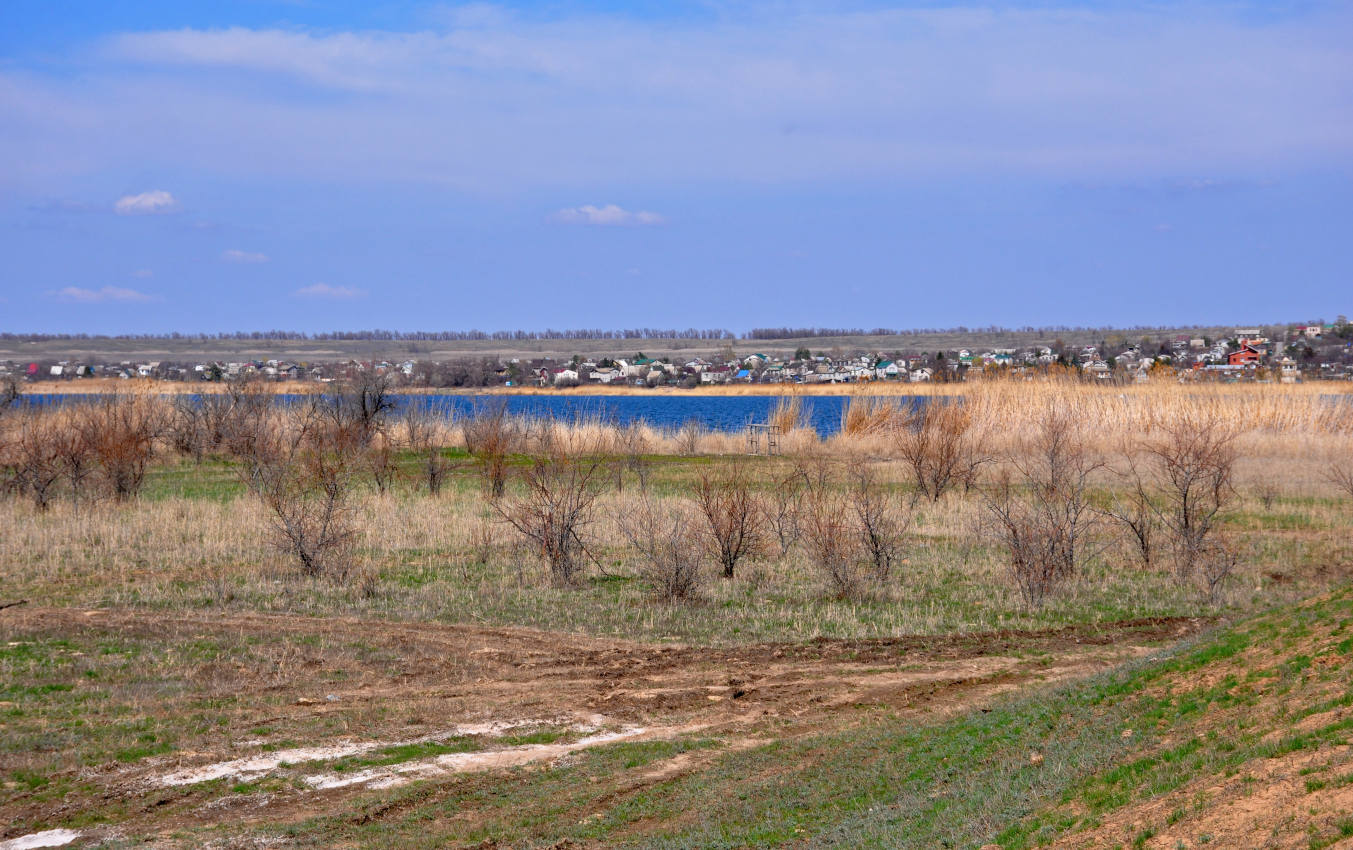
x=371, y=683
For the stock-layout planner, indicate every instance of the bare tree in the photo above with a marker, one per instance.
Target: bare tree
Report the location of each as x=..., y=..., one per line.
x=663, y=539
x=557, y=503
x=941, y=448
x=731, y=514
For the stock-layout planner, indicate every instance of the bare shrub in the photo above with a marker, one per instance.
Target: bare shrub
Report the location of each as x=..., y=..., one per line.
x=1216, y=563
x=421, y=425
x=632, y=448
x=186, y=427
x=558, y=501
x=1044, y=520
x=1134, y=511
x=1034, y=560
x=74, y=447
x=361, y=408
x=941, y=448
x=830, y=542
x=122, y=434
x=782, y=509
x=670, y=561
x=378, y=456
x=688, y=436
x=490, y=437
x=1188, y=483
x=732, y=516
x=9, y=393
x=881, y=520
x=305, y=479
x=1339, y=470
x=37, y=458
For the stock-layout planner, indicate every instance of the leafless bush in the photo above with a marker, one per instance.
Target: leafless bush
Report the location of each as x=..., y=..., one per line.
x=782, y=509
x=732, y=516
x=122, y=434
x=632, y=448
x=881, y=520
x=37, y=458
x=941, y=448
x=490, y=437
x=361, y=408
x=1216, y=563
x=1033, y=549
x=1339, y=470
x=558, y=502
x=1045, y=519
x=1188, y=484
x=670, y=562
x=688, y=436
x=421, y=426
x=187, y=427
x=305, y=483
x=829, y=540
x=1134, y=511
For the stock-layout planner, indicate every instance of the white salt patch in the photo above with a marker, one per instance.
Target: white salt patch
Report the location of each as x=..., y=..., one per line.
x=399, y=774
x=255, y=766
x=50, y=838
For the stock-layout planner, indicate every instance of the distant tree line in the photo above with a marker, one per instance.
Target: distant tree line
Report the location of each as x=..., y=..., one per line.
x=593, y=333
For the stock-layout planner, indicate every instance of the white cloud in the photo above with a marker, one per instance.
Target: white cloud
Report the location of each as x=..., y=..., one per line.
x=607, y=215
x=80, y=295
x=761, y=93
x=155, y=202
x=234, y=255
x=324, y=290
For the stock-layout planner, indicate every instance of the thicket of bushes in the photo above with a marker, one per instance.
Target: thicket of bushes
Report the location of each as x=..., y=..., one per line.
x=1051, y=500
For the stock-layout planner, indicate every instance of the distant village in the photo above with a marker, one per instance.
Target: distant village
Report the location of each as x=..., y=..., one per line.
x=1286, y=354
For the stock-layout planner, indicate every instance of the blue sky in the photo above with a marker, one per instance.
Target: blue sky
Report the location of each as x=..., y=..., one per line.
x=339, y=165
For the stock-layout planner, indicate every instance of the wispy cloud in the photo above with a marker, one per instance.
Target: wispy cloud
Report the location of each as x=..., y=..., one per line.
x=154, y=202
x=514, y=99
x=80, y=295
x=608, y=215
x=324, y=290
x=143, y=273
x=234, y=255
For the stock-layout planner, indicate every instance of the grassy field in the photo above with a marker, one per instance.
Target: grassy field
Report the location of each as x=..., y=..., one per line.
x=175, y=680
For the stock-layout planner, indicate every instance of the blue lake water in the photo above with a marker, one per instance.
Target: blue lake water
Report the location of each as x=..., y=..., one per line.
x=719, y=413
